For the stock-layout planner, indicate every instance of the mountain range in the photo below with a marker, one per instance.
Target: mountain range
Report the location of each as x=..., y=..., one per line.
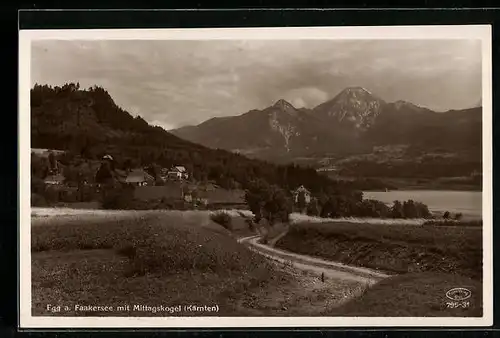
x=352, y=122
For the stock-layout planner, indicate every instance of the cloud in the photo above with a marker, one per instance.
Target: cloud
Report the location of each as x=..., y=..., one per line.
x=174, y=83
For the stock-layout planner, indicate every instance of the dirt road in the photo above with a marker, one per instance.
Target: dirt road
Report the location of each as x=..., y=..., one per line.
x=314, y=265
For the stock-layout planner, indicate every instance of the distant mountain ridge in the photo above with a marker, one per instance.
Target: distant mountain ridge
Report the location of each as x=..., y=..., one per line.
x=353, y=121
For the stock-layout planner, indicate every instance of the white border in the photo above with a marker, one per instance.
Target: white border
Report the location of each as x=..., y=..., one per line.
x=481, y=32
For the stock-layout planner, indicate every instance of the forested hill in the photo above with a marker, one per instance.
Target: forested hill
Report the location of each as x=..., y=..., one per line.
x=90, y=124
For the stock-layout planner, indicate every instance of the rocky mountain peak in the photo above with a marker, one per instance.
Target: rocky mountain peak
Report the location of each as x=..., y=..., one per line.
x=355, y=105
x=284, y=105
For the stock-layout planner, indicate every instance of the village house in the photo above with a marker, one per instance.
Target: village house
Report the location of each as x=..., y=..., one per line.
x=307, y=194
x=177, y=173
x=140, y=178
x=57, y=179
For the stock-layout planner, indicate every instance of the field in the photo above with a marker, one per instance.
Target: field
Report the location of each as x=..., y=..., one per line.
x=150, y=259
x=391, y=247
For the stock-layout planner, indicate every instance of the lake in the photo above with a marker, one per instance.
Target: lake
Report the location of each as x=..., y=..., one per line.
x=469, y=203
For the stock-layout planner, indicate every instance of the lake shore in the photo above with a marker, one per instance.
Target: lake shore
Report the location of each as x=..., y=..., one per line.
x=467, y=203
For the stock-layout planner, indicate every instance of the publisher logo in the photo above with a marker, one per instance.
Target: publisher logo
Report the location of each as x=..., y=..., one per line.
x=458, y=294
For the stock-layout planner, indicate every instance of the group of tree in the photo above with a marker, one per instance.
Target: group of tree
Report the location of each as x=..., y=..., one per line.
x=274, y=204
x=409, y=209
x=268, y=202
x=338, y=206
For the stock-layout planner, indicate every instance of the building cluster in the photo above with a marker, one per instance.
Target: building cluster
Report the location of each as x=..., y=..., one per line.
x=135, y=177
x=169, y=183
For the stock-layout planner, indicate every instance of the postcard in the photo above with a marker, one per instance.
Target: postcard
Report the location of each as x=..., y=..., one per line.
x=256, y=177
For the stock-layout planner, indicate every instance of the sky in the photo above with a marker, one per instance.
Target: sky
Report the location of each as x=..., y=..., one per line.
x=173, y=83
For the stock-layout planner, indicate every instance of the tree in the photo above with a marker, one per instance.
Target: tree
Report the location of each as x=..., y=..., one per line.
x=372, y=208
x=458, y=216
x=256, y=196
x=409, y=209
x=104, y=174
x=154, y=170
x=422, y=210
x=278, y=206
x=268, y=201
x=446, y=215
x=329, y=207
x=397, y=210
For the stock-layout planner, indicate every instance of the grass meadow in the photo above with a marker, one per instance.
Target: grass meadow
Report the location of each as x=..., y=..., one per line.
x=391, y=247
x=142, y=258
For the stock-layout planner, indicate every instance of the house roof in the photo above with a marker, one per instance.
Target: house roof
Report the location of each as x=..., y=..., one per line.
x=178, y=168
x=301, y=189
x=137, y=176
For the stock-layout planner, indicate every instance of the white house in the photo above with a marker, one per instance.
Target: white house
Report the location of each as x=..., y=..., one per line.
x=178, y=172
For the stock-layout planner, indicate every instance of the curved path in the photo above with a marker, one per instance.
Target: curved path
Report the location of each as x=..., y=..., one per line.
x=311, y=264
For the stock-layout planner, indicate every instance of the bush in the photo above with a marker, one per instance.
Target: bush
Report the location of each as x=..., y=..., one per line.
x=422, y=210
x=38, y=200
x=409, y=209
x=52, y=195
x=118, y=198
x=222, y=218
x=340, y=204
x=250, y=224
x=313, y=208
x=372, y=208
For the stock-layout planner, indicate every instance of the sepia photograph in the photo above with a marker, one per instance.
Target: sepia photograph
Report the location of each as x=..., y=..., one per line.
x=334, y=176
